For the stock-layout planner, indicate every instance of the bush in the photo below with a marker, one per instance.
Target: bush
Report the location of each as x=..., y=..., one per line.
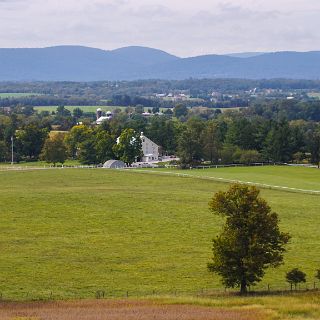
x=295, y=276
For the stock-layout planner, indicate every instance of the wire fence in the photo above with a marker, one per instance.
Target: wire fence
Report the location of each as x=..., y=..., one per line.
x=104, y=293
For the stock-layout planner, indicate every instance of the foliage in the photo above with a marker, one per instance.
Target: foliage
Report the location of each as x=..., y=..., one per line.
x=180, y=111
x=75, y=137
x=3, y=151
x=190, y=149
x=212, y=142
x=314, y=141
x=295, y=276
x=54, y=149
x=128, y=147
x=249, y=156
x=250, y=241
x=30, y=141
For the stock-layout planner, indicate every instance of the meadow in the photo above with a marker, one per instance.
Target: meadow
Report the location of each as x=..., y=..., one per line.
x=86, y=108
x=4, y=95
x=67, y=233
x=282, y=176
x=83, y=108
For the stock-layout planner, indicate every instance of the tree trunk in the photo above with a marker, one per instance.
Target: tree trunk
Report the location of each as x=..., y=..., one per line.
x=243, y=287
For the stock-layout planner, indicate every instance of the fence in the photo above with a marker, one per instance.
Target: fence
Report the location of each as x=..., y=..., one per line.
x=46, y=167
x=103, y=293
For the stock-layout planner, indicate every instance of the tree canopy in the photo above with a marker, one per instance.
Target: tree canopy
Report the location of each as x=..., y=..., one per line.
x=295, y=276
x=128, y=147
x=250, y=241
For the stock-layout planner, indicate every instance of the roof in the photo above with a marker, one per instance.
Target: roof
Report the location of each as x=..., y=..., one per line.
x=114, y=164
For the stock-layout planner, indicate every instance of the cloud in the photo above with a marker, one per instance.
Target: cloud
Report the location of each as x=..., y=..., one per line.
x=181, y=27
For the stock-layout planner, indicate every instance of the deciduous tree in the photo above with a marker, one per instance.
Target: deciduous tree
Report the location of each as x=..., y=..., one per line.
x=128, y=147
x=251, y=240
x=54, y=149
x=295, y=276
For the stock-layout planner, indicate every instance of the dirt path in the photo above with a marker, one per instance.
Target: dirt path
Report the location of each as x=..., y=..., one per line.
x=118, y=310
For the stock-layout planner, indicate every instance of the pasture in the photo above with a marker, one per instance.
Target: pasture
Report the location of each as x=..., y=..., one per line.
x=277, y=176
x=4, y=95
x=86, y=108
x=83, y=108
x=67, y=233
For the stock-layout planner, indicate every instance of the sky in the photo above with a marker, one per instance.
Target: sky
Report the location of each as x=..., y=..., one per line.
x=181, y=27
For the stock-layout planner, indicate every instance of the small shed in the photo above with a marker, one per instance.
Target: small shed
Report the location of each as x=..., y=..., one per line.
x=114, y=164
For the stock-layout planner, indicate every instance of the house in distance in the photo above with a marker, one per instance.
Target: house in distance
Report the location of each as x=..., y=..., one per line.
x=101, y=118
x=150, y=149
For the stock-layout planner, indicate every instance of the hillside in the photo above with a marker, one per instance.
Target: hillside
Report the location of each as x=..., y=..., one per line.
x=76, y=63
x=135, y=232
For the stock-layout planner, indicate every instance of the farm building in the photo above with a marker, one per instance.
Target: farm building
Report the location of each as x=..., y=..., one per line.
x=149, y=148
x=114, y=164
x=101, y=118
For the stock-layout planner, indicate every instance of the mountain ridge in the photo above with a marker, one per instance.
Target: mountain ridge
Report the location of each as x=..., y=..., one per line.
x=81, y=63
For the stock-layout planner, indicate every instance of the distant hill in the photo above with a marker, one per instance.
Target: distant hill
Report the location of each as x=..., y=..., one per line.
x=77, y=63
x=245, y=54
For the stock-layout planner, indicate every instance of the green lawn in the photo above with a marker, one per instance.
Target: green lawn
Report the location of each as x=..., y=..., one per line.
x=285, y=176
x=75, y=231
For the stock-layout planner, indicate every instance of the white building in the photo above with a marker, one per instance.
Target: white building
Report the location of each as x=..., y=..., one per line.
x=101, y=118
x=149, y=148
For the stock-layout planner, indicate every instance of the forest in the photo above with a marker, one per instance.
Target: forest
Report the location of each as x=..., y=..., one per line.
x=275, y=132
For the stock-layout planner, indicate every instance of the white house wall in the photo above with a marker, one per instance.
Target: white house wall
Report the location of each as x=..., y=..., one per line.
x=150, y=150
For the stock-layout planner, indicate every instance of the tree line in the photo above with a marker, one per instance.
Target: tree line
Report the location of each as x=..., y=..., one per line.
x=196, y=135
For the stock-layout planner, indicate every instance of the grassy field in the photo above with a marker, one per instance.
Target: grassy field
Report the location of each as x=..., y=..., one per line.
x=273, y=307
x=68, y=233
x=285, y=176
x=35, y=164
x=86, y=108
x=4, y=95
x=83, y=108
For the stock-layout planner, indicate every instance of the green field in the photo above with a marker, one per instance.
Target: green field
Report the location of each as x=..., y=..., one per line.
x=4, y=95
x=282, y=176
x=71, y=232
x=35, y=164
x=83, y=108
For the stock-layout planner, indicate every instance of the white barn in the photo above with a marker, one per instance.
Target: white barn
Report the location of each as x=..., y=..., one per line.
x=149, y=148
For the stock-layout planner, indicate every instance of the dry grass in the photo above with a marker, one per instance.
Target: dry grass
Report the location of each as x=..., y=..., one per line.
x=120, y=309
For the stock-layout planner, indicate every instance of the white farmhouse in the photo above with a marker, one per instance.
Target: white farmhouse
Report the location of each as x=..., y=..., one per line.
x=149, y=148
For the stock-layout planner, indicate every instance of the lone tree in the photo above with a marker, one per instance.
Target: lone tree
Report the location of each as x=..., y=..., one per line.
x=250, y=241
x=295, y=276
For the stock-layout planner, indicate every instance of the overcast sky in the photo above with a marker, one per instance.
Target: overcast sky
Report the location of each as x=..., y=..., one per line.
x=181, y=27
